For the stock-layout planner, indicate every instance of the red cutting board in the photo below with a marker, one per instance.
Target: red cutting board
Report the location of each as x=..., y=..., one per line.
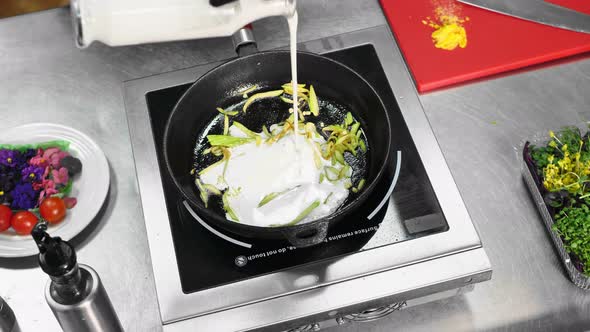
x=495, y=43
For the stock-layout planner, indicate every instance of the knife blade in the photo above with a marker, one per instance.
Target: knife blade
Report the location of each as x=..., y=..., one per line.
x=537, y=11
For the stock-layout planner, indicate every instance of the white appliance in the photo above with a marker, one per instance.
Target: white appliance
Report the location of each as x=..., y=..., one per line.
x=129, y=22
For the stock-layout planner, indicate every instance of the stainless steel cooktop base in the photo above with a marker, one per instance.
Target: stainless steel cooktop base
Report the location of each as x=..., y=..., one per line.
x=443, y=262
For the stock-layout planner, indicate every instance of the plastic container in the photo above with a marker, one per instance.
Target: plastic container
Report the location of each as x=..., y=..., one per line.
x=537, y=190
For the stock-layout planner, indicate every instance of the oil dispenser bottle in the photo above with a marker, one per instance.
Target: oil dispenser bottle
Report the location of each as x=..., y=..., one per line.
x=74, y=292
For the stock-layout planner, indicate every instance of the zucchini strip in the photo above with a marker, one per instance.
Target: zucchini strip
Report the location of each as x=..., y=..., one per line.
x=224, y=112
x=228, y=208
x=228, y=141
x=304, y=213
x=314, y=107
x=245, y=130
x=261, y=95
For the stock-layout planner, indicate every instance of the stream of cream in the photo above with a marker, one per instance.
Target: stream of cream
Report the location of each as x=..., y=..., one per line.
x=292, y=21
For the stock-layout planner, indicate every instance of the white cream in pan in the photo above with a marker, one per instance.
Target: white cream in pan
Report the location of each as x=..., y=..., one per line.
x=256, y=171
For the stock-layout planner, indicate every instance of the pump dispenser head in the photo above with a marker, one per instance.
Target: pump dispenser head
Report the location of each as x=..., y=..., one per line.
x=56, y=257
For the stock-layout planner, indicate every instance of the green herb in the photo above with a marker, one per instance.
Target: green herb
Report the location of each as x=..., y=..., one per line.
x=261, y=95
x=228, y=141
x=573, y=225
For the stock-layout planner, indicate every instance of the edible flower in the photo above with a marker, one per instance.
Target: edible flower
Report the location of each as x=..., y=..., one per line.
x=32, y=173
x=23, y=197
x=8, y=157
x=48, y=190
x=54, y=156
x=60, y=176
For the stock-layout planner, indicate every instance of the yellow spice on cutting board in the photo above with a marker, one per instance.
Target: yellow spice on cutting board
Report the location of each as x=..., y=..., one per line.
x=449, y=32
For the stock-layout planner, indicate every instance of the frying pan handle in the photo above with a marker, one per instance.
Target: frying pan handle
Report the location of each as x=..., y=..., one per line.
x=307, y=235
x=244, y=42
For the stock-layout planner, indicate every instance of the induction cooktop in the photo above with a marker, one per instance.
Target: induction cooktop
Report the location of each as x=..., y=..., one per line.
x=412, y=239
x=208, y=257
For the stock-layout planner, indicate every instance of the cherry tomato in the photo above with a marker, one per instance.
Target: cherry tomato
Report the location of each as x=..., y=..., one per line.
x=53, y=209
x=5, y=215
x=23, y=222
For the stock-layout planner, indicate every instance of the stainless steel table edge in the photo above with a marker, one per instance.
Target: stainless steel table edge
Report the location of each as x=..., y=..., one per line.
x=176, y=305
x=339, y=300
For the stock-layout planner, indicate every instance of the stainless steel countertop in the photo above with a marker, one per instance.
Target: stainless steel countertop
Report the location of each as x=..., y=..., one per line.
x=478, y=126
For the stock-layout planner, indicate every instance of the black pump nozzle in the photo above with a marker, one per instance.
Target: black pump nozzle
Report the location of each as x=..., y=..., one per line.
x=56, y=257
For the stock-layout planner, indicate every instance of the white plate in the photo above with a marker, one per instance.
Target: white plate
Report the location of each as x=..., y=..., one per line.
x=90, y=187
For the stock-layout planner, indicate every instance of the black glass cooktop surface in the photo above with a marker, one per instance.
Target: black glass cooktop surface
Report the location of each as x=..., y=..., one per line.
x=209, y=257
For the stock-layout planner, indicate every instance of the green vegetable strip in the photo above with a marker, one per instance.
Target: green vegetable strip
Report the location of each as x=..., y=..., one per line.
x=287, y=100
x=211, y=189
x=261, y=95
x=228, y=141
x=266, y=199
x=203, y=192
x=332, y=173
x=210, y=167
x=327, y=198
x=339, y=157
x=304, y=213
x=348, y=120
x=361, y=184
x=245, y=130
x=314, y=107
x=363, y=146
x=225, y=124
x=228, y=208
x=266, y=132
x=247, y=91
x=224, y=112
x=354, y=127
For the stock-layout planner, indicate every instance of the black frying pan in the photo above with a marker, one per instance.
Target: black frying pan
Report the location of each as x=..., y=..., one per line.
x=339, y=89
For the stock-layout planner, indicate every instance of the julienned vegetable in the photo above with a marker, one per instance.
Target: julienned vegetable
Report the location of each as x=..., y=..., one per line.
x=563, y=165
x=329, y=144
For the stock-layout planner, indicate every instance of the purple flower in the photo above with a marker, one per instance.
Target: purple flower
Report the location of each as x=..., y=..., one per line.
x=8, y=157
x=32, y=173
x=23, y=197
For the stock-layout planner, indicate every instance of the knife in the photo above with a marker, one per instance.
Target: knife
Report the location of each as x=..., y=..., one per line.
x=537, y=11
